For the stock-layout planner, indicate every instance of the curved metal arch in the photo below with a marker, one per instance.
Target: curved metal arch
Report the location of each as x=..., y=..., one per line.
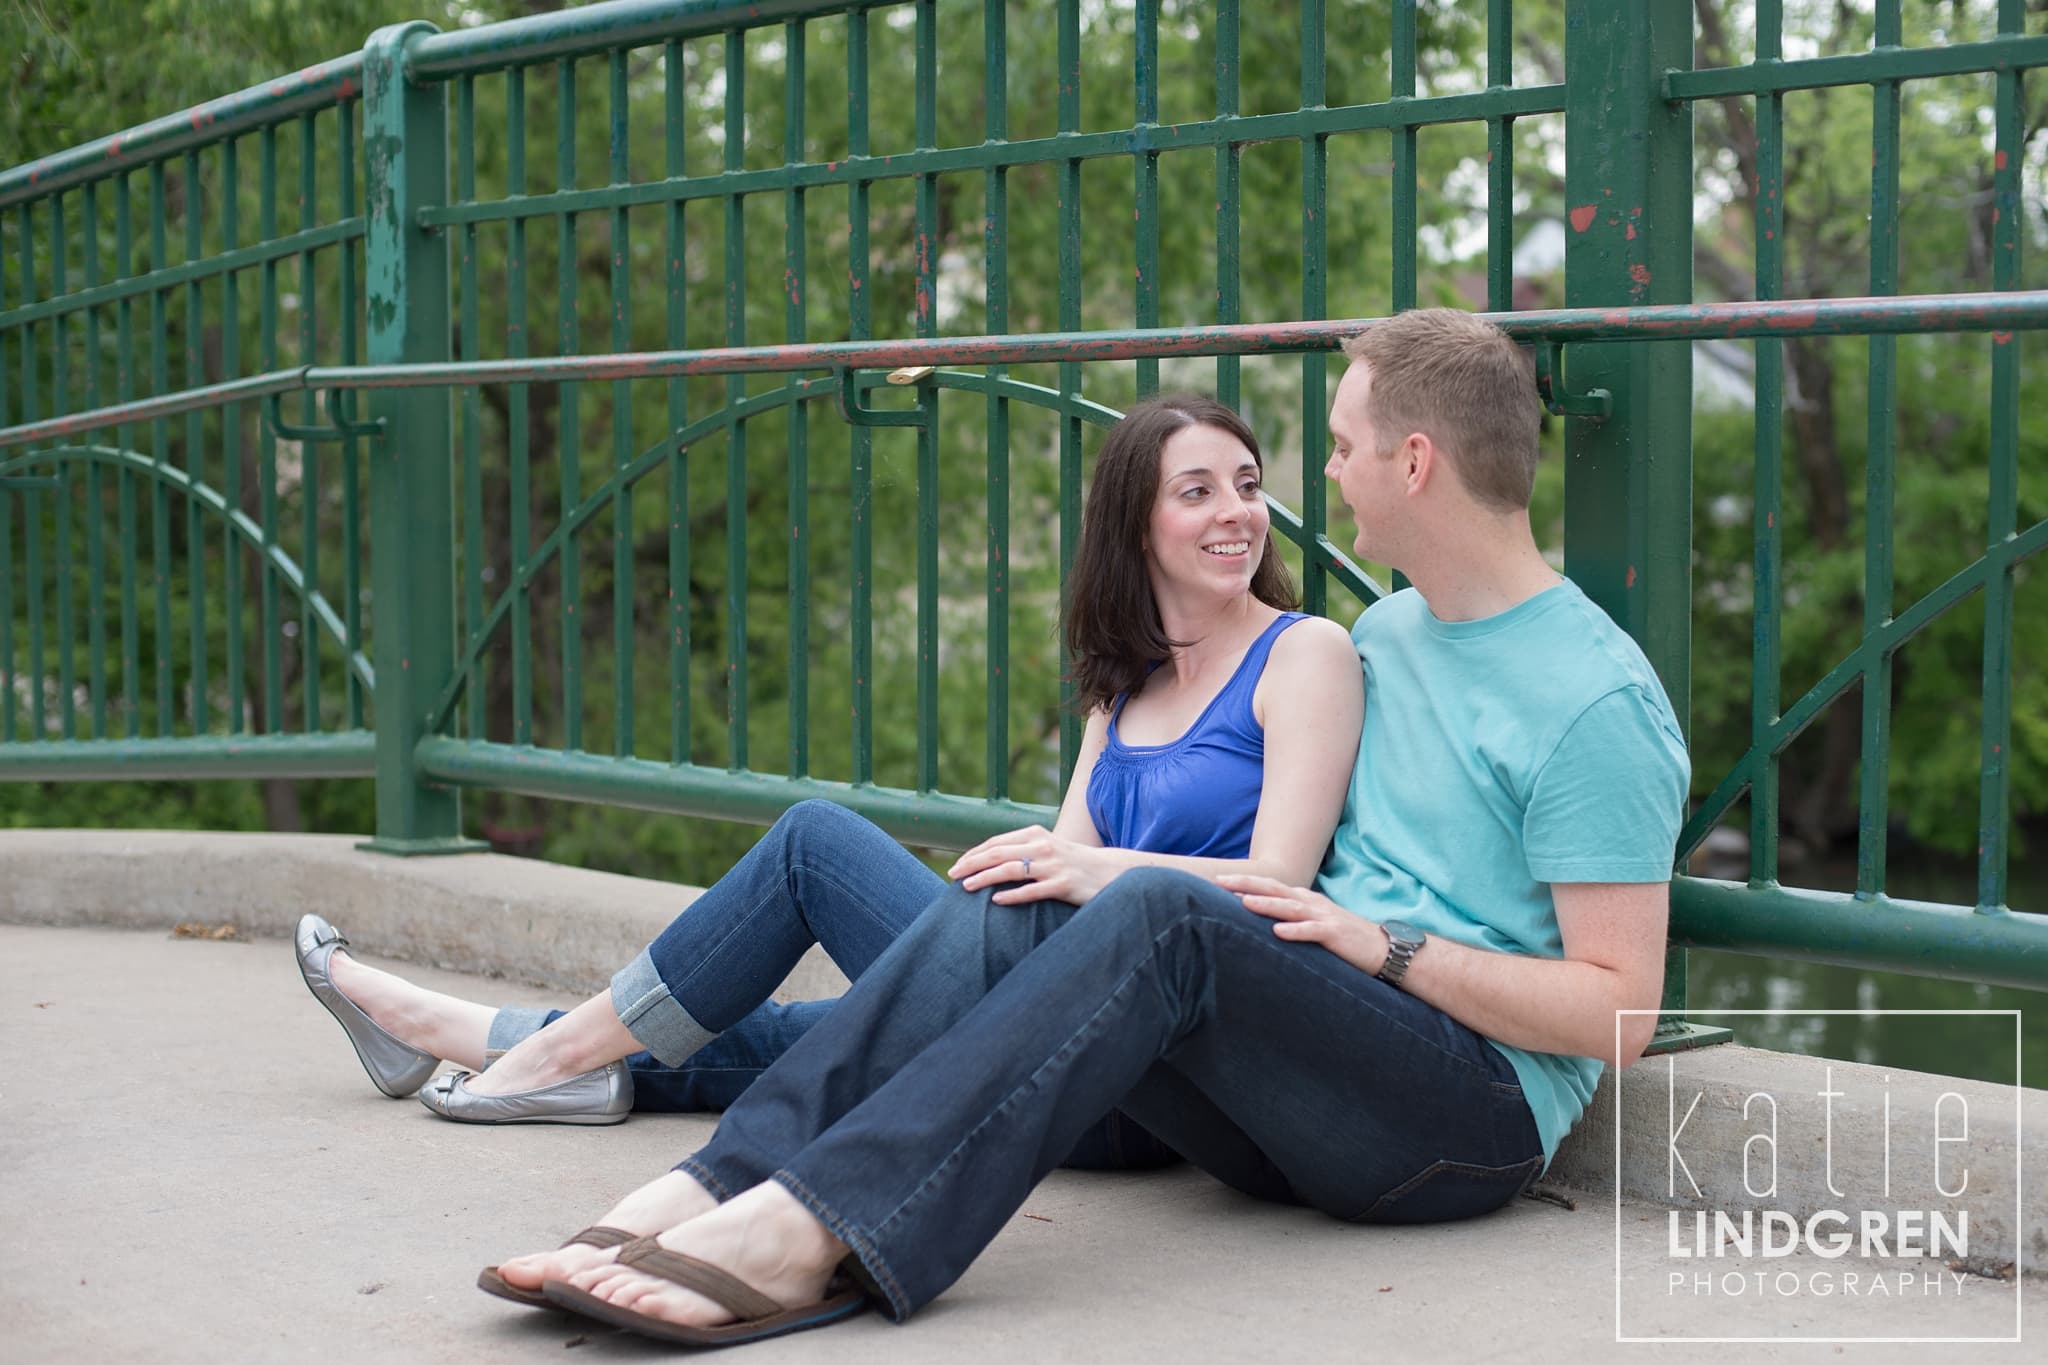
x=1876, y=648
x=1318, y=548
x=236, y=520
x=624, y=477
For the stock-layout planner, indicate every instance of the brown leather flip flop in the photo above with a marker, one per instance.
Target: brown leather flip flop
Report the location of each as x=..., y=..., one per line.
x=491, y=1282
x=759, y=1316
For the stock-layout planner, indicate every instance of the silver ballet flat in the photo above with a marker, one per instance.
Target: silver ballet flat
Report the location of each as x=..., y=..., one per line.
x=595, y=1097
x=396, y=1068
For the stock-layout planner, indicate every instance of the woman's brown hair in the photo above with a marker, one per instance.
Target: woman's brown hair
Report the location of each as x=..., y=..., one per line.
x=1112, y=629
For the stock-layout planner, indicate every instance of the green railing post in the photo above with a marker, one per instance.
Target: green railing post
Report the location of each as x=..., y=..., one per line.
x=1628, y=474
x=412, y=502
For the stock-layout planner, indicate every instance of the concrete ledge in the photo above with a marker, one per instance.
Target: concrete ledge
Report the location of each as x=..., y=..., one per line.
x=1835, y=1135
x=538, y=923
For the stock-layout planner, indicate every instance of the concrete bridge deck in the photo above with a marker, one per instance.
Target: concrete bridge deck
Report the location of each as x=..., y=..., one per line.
x=193, y=1168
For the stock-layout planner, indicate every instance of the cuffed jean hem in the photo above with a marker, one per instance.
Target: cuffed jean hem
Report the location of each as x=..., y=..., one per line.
x=879, y=1282
x=701, y=1173
x=653, y=1016
x=512, y=1025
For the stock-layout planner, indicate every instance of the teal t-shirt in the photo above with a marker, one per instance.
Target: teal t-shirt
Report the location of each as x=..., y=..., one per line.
x=1499, y=756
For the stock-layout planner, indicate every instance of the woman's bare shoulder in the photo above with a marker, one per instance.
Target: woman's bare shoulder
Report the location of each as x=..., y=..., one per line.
x=1317, y=642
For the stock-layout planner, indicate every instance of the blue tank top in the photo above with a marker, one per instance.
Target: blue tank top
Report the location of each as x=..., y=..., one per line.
x=1199, y=795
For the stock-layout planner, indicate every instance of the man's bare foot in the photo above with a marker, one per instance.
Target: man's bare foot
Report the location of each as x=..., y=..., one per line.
x=764, y=1237
x=443, y=1025
x=584, y=1039
x=674, y=1198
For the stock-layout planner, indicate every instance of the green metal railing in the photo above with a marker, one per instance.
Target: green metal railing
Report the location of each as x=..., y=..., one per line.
x=392, y=530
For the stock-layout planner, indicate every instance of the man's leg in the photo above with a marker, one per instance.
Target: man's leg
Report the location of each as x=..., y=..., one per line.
x=940, y=968
x=970, y=1058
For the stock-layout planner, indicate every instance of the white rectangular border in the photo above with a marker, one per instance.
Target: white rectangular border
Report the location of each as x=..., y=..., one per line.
x=2019, y=1190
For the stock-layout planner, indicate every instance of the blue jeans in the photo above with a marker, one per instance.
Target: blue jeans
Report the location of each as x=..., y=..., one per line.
x=697, y=997
x=967, y=1060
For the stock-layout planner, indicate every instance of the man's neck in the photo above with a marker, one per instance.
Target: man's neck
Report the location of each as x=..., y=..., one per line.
x=1473, y=576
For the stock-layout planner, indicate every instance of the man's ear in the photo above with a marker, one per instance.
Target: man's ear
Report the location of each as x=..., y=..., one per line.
x=1421, y=458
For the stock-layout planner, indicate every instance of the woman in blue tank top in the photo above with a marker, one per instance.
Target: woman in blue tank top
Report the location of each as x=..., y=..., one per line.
x=1222, y=728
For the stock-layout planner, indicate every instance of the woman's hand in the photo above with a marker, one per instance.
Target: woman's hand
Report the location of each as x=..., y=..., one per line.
x=1053, y=868
x=1305, y=916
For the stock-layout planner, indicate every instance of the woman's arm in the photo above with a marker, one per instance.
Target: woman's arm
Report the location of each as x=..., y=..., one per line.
x=1311, y=701
x=1613, y=960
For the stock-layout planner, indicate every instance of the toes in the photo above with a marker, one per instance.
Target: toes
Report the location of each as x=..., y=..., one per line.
x=525, y=1271
x=565, y=1263
x=591, y=1279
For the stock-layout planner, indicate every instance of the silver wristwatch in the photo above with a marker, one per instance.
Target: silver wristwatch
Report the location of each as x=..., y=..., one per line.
x=1404, y=940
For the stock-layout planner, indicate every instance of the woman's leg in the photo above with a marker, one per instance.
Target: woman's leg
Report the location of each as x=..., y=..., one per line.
x=821, y=875
x=715, y=1075
x=969, y=1059
x=447, y=1026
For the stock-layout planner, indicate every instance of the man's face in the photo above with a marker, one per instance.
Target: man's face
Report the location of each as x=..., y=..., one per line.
x=1368, y=481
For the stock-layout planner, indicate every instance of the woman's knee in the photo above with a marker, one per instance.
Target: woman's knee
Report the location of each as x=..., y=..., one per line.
x=819, y=817
x=821, y=831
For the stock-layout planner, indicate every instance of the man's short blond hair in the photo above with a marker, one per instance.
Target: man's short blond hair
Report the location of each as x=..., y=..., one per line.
x=1467, y=386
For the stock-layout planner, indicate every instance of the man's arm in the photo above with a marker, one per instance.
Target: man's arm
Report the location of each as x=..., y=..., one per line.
x=1613, y=959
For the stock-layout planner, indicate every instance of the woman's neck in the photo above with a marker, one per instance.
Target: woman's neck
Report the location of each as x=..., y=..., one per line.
x=1219, y=633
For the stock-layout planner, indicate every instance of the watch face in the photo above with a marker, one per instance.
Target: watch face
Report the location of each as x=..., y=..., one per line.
x=1403, y=933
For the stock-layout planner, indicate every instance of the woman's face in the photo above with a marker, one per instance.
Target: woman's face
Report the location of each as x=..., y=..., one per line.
x=1209, y=519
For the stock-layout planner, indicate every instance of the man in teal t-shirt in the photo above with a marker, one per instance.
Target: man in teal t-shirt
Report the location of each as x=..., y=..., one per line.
x=1406, y=1043
x=1506, y=846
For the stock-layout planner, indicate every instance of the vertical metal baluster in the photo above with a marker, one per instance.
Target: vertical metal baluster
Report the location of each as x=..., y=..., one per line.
x=7, y=681
x=195, y=454
x=7, y=672
x=160, y=446
x=31, y=509
x=95, y=533
x=231, y=437
x=351, y=454
x=1404, y=162
x=735, y=393
x=1145, y=193
x=1770, y=421
x=996, y=272
x=1874, y=800
x=309, y=451
x=673, y=86
x=266, y=447
x=568, y=409
x=1315, y=241
x=927, y=214
x=861, y=440
x=796, y=285
x=7, y=675
x=1069, y=122
x=60, y=500
x=1995, y=782
x=124, y=437
x=1500, y=160
x=1229, y=181
x=622, y=425
x=518, y=414
x=470, y=348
